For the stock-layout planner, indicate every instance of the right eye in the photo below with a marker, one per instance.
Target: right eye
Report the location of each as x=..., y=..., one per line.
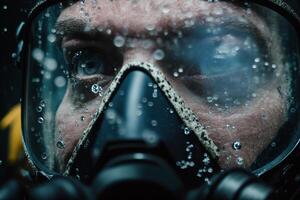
x=87, y=63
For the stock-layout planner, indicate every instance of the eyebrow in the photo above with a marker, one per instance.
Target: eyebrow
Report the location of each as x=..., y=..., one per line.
x=77, y=28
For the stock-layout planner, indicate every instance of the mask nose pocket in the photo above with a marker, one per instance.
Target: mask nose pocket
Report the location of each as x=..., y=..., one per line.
x=139, y=118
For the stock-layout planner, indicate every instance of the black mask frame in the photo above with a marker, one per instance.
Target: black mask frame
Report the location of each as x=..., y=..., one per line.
x=24, y=34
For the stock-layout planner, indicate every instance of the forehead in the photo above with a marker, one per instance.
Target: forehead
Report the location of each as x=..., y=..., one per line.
x=140, y=14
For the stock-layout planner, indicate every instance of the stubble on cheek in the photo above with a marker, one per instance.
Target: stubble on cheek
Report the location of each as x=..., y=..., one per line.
x=253, y=127
x=70, y=125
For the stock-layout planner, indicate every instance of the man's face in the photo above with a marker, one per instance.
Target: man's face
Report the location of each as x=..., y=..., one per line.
x=240, y=108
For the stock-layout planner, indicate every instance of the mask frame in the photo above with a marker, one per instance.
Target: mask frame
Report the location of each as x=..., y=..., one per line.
x=280, y=7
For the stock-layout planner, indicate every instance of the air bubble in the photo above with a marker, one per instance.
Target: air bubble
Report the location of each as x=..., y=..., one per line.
x=185, y=164
x=293, y=110
x=150, y=103
x=236, y=145
x=82, y=118
x=165, y=9
x=210, y=170
x=40, y=120
x=273, y=144
x=240, y=160
x=189, y=147
x=257, y=60
x=175, y=74
x=1, y=162
x=158, y=54
x=154, y=94
x=38, y=54
x=180, y=70
x=42, y=103
x=50, y=64
x=153, y=122
x=218, y=11
x=187, y=131
x=60, y=81
x=119, y=41
x=44, y=156
x=96, y=89
x=209, y=99
x=274, y=66
x=51, y=38
x=60, y=144
x=150, y=27
x=5, y=7
x=39, y=109
x=206, y=159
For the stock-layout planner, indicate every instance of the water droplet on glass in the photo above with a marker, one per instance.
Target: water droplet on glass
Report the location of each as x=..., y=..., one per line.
x=189, y=147
x=119, y=41
x=150, y=27
x=50, y=64
x=206, y=159
x=175, y=74
x=236, y=145
x=187, y=131
x=153, y=122
x=40, y=120
x=154, y=94
x=218, y=11
x=39, y=109
x=38, y=54
x=42, y=103
x=150, y=103
x=60, y=81
x=209, y=99
x=51, y=38
x=165, y=9
x=44, y=156
x=96, y=89
x=158, y=54
x=240, y=160
x=60, y=144
x=293, y=110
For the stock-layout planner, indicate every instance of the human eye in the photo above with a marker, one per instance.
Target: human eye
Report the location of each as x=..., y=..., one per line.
x=220, y=63
x=89, y=62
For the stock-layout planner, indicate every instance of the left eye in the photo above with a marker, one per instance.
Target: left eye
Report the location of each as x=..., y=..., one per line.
x=90, y=66
x=86, y=63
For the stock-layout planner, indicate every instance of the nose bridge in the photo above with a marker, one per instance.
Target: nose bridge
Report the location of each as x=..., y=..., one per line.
x=139, y=50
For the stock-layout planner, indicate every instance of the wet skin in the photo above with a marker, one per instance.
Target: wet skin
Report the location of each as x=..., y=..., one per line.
x=254, y=122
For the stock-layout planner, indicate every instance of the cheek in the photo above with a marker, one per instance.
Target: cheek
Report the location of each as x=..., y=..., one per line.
x=254, y=127
x=70, y=124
